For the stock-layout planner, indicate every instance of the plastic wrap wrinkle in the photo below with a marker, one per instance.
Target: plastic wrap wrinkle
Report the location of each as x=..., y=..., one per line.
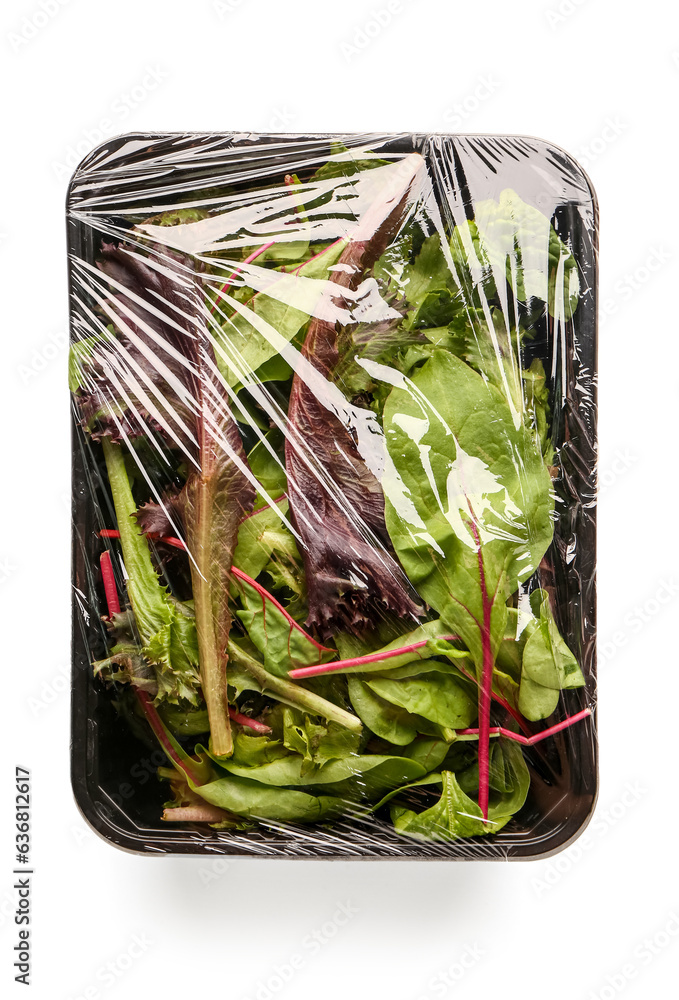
x=334, y=479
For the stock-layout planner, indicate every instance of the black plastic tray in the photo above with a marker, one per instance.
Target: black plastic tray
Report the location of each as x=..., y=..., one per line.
x=113, y=771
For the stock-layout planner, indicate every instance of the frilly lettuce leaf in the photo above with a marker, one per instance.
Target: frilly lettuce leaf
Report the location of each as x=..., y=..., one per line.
x=510, y=239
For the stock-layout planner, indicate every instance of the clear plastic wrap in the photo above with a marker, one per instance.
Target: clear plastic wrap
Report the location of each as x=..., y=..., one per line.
x=334, y=494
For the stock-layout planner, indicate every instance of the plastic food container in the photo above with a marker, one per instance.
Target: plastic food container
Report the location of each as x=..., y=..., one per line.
x=334, y=490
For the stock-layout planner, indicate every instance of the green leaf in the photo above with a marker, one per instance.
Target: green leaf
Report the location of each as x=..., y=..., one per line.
x=166, y=628
x=456, y=815
x=385, y=720
x=434, y=696
x=259, y=801
x=372, y=342
x=302, y=736
x=184, y=722
x=429, y=752
x=463, y=471
x=260, y=536
x=283, y=645
x=510, y=239
x=253, y=751
x=81, y=352
x=255, y=333
x=509, y=780
x=548, y=666
x=377, y=772
x=341, y=163
x=175, y=217
x=427, y=275
x=336, y=744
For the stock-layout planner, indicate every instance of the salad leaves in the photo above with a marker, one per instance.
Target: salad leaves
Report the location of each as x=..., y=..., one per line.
x=329, y=458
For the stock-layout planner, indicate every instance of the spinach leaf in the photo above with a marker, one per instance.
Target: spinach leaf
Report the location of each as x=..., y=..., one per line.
x=252, y=798
x=547, y=666
x=429, y=752
x=391, y=722
x=387, y=721
x=457, y=815
x=434, y=696
x=371, y=773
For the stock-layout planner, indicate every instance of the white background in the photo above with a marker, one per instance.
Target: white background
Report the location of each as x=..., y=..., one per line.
x=596, y=77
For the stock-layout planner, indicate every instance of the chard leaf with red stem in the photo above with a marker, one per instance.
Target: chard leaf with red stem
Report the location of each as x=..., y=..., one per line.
x=469, y=508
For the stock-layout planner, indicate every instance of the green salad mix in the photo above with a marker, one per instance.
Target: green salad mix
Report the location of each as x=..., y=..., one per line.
x=331, y=464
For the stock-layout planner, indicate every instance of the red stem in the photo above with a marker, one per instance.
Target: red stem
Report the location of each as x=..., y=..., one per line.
x=110, y=588
x=248, y=260
x=150, y=712
x=245, y=720
x=486, y=685
x=529, y=741
x=158, y=728
x=355, y=661
x=501, y=701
